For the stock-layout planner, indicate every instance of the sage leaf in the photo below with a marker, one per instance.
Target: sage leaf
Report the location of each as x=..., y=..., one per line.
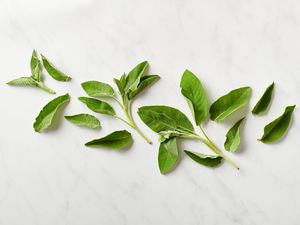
x=229, y=103
x=203, y=159
x=53, y=71
x=264, y=101
x=192, y=90
x=23, y=81
x=85, y=120
x=164, y=118
x=134, y=76
x=233, y=137
x=98, y=89
x=46, y=115
x=167, y=155
x=116, y=140
x=277, y=128
x=35, y=66
x=145, y=82
x=121, y=84
x=98, y=106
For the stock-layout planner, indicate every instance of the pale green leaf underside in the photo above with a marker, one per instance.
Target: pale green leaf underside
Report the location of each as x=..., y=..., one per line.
x=97, y=105
x=168, y=155
x=203, y=159
x=85, y=120
x=36, y=67
x=46, y=115
x=98, y=89
x=53, y=71
x=233, y=137
x=23, y=81
x=264, y=102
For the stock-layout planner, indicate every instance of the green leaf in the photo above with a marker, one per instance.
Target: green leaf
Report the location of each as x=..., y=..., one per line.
x=229, y=103
x=98, y=89
x=98, y=106
x=145, y=82
x=46, y=115
x=233, y=137
x=121, y=84
x=53, y=71
x=168, y=155
x=264, y=101
x=36, y=67
x=276, y=129
x=23, y=81
x=203, y=159
x=164, y=118
x=134, y=76
x=85, y=120
x=192, y=89
x=164, y=135
x=115, y=140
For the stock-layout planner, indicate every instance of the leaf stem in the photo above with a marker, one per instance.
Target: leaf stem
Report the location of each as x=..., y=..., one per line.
x=45, y=88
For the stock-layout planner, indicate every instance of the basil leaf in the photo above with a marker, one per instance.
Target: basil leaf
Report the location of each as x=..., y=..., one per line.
x=167, y=155
x=23, y=81
x=85, y=120
x=203, y=159
x=35, y=66
x=134, y=76
x=98, y=89
x=121, y=84
x=53, y=71
x=98, y=106
x=233, y=137
x=116, y=140
x=264, y=101
x=145, y=82
x=164, y=118
x=192, y=89
x=46, y=115
x=229, y=103
x=277, y=128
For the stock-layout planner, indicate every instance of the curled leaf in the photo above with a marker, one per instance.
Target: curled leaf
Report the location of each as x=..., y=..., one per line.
x=264, y=101
x=85, y=120
x=35, y=66
x=53, y=71
x=46, y=115
x=98, y=89
x=168, y=155
x=23, y=81
x=203, y=159
x=116, y=140
x=229, y=103
x=233, y=137
x=145, y=82
x=121, y=84
x=98, y=106
x=277, y=128
x=134, y=76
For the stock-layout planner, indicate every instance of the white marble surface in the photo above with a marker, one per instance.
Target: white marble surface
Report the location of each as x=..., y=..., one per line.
x=51, y=178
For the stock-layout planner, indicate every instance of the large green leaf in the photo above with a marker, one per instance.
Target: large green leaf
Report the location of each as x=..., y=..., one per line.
x=164, y=118
x=46, y=115
x=53, y=71
x=134, y=76
x=97, y=105
x=203, y=159
x=98, y=89
x=229, y=103
x=115, y=140
x=233, y=137
x=145, y=82
x=277, y=128
x=264, y=101
x=192, y=89
x=85, y=120
x=168, y=155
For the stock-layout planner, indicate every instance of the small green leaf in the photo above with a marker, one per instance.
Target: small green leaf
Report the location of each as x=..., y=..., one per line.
x=229, y=103
x=23, y=81
x=46, y=115
x=36, y=67
x=203, y=159
x=53, y=71
x=233, y=137
x=121, y=84
x=192, y=89
x=167, y=134
x=134, y=76
x=116, y=140
x=168, y=155
x=277, y=128
x=98, y=106
x=264, y=101
x=145, y=82
x=164, y=118
x=98, y=89
x=85, y=120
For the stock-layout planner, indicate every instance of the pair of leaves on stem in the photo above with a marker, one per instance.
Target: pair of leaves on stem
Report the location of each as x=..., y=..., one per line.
x=36, y=78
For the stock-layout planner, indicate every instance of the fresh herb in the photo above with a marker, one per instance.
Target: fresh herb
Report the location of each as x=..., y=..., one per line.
x=46, y=115
x=277, y=128
x=85, y=120
x=203, y=159
x=129, y=87
x=233, y=137
x=53, y=71
x=116, y=140
x=36, y=78
x=264, y=102
x=167, y=155
x=229, y=103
